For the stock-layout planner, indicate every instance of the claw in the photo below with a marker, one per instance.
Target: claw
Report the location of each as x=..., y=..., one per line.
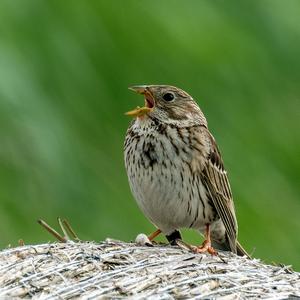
x=206, y=245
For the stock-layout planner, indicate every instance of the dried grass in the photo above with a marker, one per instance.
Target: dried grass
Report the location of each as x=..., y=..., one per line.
x=114, y=269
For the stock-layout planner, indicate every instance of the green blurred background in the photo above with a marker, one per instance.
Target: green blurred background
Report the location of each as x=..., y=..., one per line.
x=64, y=71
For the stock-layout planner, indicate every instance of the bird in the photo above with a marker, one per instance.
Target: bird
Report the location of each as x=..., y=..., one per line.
x=176, y=172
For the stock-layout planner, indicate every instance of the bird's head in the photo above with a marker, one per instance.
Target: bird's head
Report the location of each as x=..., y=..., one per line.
x=168, y=104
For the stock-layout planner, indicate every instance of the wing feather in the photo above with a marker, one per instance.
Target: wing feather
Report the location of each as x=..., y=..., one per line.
x=215, y=179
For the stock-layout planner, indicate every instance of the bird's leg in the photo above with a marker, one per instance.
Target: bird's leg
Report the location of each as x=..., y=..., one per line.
x=154, y=234
x=206, y=245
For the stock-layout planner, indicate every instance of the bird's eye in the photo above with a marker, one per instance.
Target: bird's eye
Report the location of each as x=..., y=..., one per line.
x=168, y=96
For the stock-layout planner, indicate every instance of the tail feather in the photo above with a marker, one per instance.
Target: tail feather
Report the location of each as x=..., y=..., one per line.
x=241, y=251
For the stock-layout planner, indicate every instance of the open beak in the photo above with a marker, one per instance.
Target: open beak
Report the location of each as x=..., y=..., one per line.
x=149, y=101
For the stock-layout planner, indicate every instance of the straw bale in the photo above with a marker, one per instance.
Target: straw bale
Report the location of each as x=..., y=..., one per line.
x=115, y=269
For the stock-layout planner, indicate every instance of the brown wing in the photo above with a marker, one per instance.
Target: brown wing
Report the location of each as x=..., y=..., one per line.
x=214, y=177
x=217, y=183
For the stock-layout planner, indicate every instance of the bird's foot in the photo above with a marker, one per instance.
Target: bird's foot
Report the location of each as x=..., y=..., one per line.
x=205, y=247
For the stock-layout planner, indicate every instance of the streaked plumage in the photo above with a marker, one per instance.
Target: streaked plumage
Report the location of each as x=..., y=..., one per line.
x=175, y=169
